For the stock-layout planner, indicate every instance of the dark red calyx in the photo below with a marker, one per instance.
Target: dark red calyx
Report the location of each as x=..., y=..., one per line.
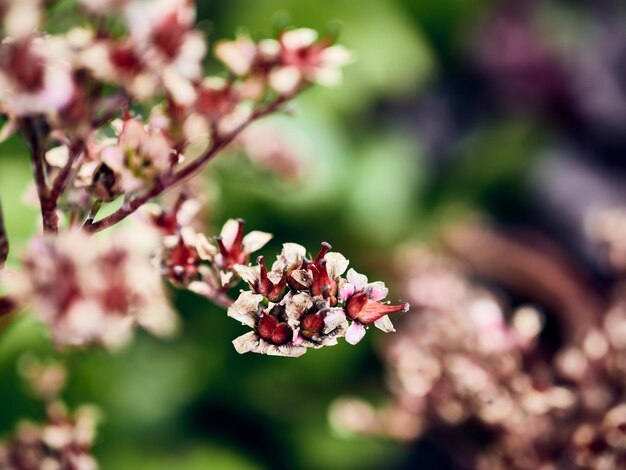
x=274, y=331
x=169, y=35
x=326, y=247
x=124, y=58
x=183, y=262
x=367, y=311
x=26, y=67
x=266, y=287
x=312, y=325
x=323, y=284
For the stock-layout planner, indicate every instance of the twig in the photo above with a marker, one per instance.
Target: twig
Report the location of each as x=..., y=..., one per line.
x=49, y=216
x=95, y=208
x=61, y=180
x=4, y=241
x=168, y=181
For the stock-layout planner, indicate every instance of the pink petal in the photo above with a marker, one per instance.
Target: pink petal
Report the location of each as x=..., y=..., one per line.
x=346, y=291
x=376, y=290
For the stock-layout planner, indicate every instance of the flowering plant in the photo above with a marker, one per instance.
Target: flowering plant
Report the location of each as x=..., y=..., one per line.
x=116, y=111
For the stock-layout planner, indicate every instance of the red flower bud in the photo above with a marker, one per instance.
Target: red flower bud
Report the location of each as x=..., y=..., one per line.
x=367, y=311
x=125, y=58
x=235, y=253
x=282, y=334
x=105, y=185
x=323, y=284
x=273, y=331
x=272, y=291
x=169, y=35
x=182, y=263
x=312, y=325
x=26, y=67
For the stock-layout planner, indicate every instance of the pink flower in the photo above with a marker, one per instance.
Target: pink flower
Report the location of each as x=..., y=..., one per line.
x=234, y=247
x=304, y=58
x=35, y=77
x=362, y=303
x=272, y=333
x=140, y=154
x=94, y=290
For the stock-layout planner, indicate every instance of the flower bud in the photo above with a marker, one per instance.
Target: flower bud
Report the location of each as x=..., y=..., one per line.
x=273, y=331
x=266, y=287
x=312, y=326
x=105, y=184
x=367, y=311
x=182, y=263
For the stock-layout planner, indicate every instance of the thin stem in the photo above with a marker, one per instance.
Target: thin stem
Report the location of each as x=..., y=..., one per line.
x=4, y=241
x=62, y=178
x=166, y=182
x=49, y=216
x=95, y=208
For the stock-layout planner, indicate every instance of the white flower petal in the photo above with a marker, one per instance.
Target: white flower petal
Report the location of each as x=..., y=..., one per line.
x=346, y=290
x=359, y=281
x=286, y=350
x=355, y=333
x=248, y=342
x=205, y=249
x=291, y=254
x=249, y=274
x=245, y=307
x=337, y=56
x=336, y=319
x=336, y=264
x=384, y=324
x=58, y=156
x=285, y=80
x=229, y=232
x=201, y=288
x=237, y=55
x=296, y=306
x=255, y=240
x=298, y=38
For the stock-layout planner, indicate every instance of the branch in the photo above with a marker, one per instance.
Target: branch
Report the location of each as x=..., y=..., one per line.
x=4, y=241
x=49, y=216
x=166, y=182
x=61, y=180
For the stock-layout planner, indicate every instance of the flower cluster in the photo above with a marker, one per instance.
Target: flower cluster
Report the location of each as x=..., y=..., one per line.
x=92, y=290
x=64, y=441
x=462, y=364
x=305, y=303
x=65, y=92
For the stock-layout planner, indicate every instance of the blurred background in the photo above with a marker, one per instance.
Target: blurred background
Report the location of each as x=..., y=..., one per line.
x=511, y=111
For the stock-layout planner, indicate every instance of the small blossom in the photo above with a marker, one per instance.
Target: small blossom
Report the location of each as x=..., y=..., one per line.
x=140, y=154
x=363, y=306
x=304, y=58
x=302, y=294
x=35, y=76
x=93, y=291
x=272, y=334
x=63, y=441
x=234, y=247
x=238, y=55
